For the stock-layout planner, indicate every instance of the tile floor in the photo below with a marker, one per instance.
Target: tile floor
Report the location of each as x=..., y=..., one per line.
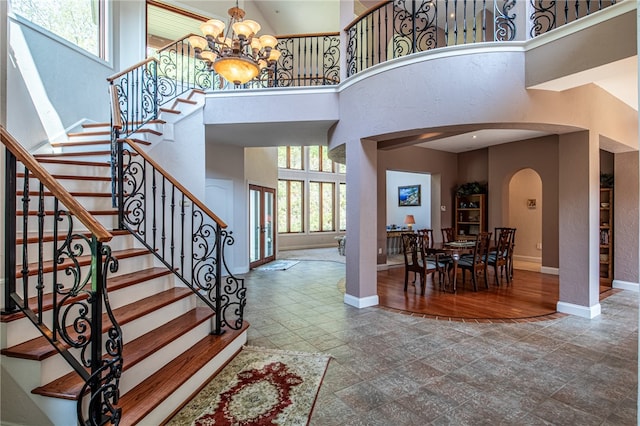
x=394, y=369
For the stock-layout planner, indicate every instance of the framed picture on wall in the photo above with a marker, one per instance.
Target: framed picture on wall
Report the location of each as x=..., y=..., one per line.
x=409, y=196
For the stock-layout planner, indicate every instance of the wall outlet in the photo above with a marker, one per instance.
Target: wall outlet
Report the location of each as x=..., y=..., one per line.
x=379, y=250
x=443, y=208
x=539, y=246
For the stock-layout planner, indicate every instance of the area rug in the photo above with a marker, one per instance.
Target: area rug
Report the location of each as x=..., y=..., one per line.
x=278, y=265
x=258, y=387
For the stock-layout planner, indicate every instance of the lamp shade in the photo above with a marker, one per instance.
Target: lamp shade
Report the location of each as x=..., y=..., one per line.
x=236, y=69
x=409, y=220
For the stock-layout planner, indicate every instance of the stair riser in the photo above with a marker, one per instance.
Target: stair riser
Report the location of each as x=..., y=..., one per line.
x=161, y=413
x=78, y=169
x=136, y=374
x=88, y=202
x=117, y=243
x=109, y=221
x=55, y=366
x=70, y=185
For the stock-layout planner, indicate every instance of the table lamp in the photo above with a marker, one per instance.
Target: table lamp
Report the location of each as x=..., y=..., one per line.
x=409, y=220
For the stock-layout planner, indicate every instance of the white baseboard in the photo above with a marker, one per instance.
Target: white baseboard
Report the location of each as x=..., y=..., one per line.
x=363, y=302
x=578, y=310
x=626, y=285
x=549, y=270
x=531, y=259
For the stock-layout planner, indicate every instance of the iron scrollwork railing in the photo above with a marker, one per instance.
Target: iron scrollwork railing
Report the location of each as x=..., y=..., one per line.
x=183, y=233
x=398, y=28
x=551, y=14
x=62, y=292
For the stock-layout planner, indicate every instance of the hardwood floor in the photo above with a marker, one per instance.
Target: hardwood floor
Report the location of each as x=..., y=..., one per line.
x=531, y=296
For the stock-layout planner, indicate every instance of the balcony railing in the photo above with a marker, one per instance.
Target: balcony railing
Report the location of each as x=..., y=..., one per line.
x=396, y=28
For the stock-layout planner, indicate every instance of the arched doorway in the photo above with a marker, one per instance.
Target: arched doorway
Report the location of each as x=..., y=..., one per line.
x=525, y=214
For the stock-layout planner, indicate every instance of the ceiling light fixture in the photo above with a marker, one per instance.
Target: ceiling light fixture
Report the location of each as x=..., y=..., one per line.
x=239, y=55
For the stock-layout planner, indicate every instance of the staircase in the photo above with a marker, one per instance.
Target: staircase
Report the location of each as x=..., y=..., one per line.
x=172, y=340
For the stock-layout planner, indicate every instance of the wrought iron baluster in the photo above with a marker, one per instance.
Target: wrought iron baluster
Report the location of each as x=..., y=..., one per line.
x=446, y=22
x=455, y=22
x=26, y=200
x=182, y=238
x=163, y=198
x=40, y=280
x=173, y=211
x=10, y=240
x=154, y=215
x=464, y=21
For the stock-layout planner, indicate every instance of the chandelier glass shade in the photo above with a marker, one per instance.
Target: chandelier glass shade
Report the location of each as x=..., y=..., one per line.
x=239, y=55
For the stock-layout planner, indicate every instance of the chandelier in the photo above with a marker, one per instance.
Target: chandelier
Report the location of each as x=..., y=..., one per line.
x=239, y=55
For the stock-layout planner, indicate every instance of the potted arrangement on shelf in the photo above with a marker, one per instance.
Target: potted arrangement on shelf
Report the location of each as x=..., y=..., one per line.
x=606, y=180
x=471, y=188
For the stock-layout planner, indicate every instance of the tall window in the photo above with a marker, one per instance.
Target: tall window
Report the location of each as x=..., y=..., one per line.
x=290, y=157
x=81, y=22
x=342, y=210
x=321, y=206
x=319, y=160
x=290, y=206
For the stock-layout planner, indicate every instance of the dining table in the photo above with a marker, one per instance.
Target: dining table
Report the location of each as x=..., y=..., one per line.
x=455, y=249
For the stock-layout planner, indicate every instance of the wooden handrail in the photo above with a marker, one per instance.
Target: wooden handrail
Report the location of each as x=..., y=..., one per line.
x=175, y=183
x=365, y=13
x=56, y=189
x=307, y=35
x=131, y=68
x=115, y=109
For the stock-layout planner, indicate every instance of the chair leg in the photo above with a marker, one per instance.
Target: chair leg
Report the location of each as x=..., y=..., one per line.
x=495, y=269
x=486, y=281
x=406, y=279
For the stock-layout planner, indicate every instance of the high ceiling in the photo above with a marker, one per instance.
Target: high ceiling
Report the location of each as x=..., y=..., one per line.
x=283, y=17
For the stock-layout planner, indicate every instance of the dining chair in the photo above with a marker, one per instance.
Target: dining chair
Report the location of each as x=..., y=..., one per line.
x=476, y=262
x=510, y=248
x=415, y=260
x=448, y=235
x=499, y=257
x=433, y=256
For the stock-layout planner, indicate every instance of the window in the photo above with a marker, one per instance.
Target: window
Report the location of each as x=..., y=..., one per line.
x=319, y=160
x=81, y=22
x=321, y=206
x=290, y=157
x=342, y=201
x=290, y=206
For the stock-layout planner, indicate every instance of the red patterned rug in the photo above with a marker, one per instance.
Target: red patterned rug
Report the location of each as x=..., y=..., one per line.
x=258, y=387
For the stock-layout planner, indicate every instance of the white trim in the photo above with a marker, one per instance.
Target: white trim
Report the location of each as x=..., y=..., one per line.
x=589, y=312
x=549, y=270
x=626, y=285
x=532, y=259
x=363, y=302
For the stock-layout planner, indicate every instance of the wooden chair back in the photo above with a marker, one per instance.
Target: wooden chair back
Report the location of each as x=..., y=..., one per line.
x=448, y=235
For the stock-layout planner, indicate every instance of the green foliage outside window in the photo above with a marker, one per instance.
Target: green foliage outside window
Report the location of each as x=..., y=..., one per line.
x=77, y=21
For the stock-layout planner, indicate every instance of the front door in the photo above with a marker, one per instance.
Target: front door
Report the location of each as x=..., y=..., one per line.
x=261, y=225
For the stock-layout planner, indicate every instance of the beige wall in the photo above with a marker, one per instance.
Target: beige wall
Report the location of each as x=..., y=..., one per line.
x=443, y=168
x=540, y=155
x=626, y=194
x=524, y=186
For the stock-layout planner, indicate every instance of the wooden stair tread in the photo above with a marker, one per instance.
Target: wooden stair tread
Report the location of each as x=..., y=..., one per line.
x=51, y=212
x=82, y=261
x=39, y=348
x=145, y=130
x=70, y=385
x=94, y=125
x=73, y=193
x=142, y=399
x=81, y=143
x=75, y=162
x=186, y=101
x=71, y=154
x=74, y=177
x=113, y=283
x=170, y=111
x=94, y=133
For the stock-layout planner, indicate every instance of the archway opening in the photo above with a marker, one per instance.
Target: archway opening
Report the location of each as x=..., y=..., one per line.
x=525, y=214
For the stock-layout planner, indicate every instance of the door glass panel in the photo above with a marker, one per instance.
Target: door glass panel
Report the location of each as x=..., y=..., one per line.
x=254, y=225
x=269, y=232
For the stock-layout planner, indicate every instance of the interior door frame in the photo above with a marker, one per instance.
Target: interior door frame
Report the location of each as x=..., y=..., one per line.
x=263, y=190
